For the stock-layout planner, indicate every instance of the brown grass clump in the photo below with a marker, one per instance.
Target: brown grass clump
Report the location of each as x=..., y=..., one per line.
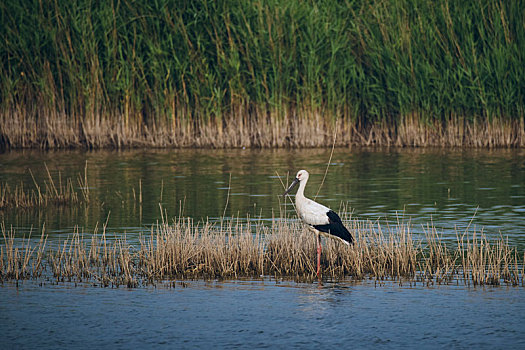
x=56, y=192
x=284, y=249
x=21, y=260
x=186, y=250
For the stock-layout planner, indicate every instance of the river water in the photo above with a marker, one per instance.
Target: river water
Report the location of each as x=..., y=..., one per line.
x=452, y=189
x=254, y=314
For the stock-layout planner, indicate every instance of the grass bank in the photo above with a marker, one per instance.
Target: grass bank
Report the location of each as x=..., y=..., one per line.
x=265, y=73
x=284, y=249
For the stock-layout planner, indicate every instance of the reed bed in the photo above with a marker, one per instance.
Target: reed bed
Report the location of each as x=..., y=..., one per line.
x=285, y=249
x=52, y=192
x=264, y=73
x=23, y=259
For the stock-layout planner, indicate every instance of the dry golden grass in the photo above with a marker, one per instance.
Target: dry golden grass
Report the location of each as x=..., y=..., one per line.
x=54, y=191
x=285, y=249
x=248, y=128
x=21, y=260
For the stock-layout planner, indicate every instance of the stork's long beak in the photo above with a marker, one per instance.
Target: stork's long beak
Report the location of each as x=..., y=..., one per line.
x=292, y=185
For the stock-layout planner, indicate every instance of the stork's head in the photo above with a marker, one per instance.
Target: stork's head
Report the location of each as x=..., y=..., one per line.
x=302, y=175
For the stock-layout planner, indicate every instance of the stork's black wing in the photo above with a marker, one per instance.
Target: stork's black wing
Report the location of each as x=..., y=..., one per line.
x=335, y=227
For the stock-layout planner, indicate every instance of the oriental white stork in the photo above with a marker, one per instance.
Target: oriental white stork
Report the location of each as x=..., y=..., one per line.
x=321, y=219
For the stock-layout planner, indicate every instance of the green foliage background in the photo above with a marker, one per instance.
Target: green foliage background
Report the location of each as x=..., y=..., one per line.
x=153, y=61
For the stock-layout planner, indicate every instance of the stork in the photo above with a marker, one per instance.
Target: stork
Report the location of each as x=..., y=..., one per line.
x=321, y=219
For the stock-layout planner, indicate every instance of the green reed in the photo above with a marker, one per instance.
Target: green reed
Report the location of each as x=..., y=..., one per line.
x=167, y=72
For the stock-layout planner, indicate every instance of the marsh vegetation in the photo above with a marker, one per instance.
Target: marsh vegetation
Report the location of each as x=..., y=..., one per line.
x=233, y=249
x=51, y=191
x=261, y=73
x=128, y=250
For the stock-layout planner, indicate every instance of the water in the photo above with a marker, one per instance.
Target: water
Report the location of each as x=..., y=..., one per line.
x=447, y=187
x=237, y=314
x=451, y=188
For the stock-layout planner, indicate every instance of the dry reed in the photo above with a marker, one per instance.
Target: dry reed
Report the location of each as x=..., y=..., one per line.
x=56, y=192
x=311, y=130
x=22, y=260
x=284, y=249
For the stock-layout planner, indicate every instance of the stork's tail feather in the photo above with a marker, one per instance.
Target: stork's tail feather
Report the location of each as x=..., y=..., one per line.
x=349, y=239
x=336, y=228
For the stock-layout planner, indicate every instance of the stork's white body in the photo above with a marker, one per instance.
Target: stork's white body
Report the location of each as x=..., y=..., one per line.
x=310, y=212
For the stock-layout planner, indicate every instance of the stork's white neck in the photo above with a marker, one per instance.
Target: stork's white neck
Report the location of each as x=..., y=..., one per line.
x=300, y=192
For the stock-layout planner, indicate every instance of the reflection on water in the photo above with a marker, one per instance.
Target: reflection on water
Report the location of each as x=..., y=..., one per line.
x=447, y=187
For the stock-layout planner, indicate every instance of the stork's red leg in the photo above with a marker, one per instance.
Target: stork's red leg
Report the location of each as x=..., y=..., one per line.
x=319, y=248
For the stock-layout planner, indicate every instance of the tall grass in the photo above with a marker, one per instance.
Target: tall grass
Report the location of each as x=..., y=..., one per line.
x=261, y=73
x=21, y=260
x=284, y=249
x=52, y=192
